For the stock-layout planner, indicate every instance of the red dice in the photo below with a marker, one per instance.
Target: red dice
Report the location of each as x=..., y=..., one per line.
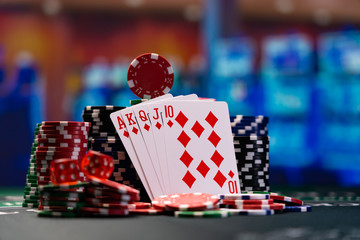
x=97, y=164
x=64, y=170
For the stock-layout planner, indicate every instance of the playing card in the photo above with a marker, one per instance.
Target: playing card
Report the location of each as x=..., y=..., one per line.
x=123, y=133
x=199, y=147
x=142, y=152
x=138, y=125
x=153, y=110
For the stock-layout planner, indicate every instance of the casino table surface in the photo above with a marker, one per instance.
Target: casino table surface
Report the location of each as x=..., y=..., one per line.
x=333, y=217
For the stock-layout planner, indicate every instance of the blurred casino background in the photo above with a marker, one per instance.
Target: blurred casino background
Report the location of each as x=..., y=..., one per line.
x=297, y=62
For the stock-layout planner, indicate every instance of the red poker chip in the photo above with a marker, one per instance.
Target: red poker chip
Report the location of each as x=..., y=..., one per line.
x=48, y=162
x=64, y=128
x=63, y=144
x=43, y=178
x=55, y=208
x=274, y=206
x=55, y=140
x=98, y=203
x=64, y=132
x=139, y=205
x=48, y=159
x=107, y=199
x=44, y=183
x=150, y=75
x=58, y=153
x=65, y=123
x=147, y=211
x=62, y=136
x=105, y=211
x=246, y=202
x=66, y=199
x=115, y=186
x=102, y=193
x=39, y=165
x=286, y=200
x=80, y=139
x=43, y=170
x=186, y=201
x=66, y=190
x=44, y=175
x=64, y=154
x=58, y=149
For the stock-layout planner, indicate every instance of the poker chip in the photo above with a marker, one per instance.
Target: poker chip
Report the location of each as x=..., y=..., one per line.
x=48, y=151
x=285, y=199
x=105, y=211
x=203, y=214
x=249, y=212
x=63, y=133
x=139, y=205
x=30, y=205
x=106, y=140
x=118, y=187
x=31, y=197
x=70, y=204
x=273, y=206
x=64, y=199
x=150, y=75
x=246, y=202
x=56, y=208
x=147, y=211
x=103, y=108
x=65, y=123
x=63, y=129
x=62, y=136
x=98, y=192
x=56, y=141
x=31, y=193
x=32, y=201
x=63, y=194
x=64, y=144
x=186, y=201
x=107, y=199
x=31, y=189
x=137, y=101
x=244, y=196
x=298, y=209
x=95, y=203
x=57, y=214
x=62, y=186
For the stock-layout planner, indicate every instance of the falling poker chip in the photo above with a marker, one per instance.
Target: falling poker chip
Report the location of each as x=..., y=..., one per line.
x=150, y=75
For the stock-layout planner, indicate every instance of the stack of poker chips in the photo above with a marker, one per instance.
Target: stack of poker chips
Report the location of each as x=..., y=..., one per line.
x=104, y=138
x=251, y=144
x=261, y=203
x=108, y=198
x=63, y=200
x=31, y=193
x=56, y=140
x=98, y=197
